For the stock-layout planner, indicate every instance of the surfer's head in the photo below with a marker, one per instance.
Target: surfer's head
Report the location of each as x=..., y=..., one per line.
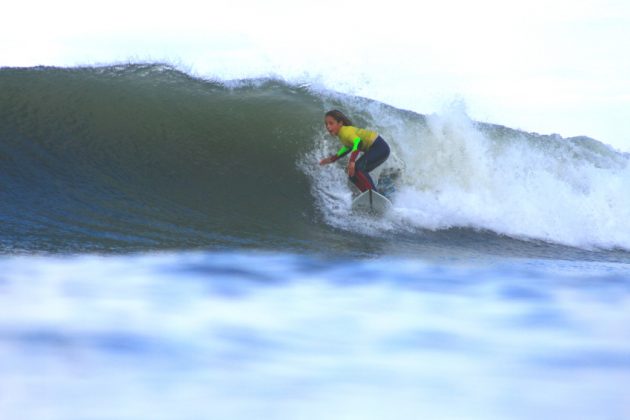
x=334, y=120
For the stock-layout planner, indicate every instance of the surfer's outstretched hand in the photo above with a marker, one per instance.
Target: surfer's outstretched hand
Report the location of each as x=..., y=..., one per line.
x=326, y=161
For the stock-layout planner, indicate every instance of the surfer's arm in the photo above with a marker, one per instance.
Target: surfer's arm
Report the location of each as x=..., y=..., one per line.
x=355, y=149
x=344, y=151
x=341, y=153
x=333, y=158
x=353, y=156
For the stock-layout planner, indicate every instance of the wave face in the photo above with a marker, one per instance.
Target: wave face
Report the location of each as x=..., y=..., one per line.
x=147, y=157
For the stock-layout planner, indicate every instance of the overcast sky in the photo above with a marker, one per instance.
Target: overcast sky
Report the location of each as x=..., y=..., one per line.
x=550, y=66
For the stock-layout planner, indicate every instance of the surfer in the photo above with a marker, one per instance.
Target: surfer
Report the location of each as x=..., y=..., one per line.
x=353, y=140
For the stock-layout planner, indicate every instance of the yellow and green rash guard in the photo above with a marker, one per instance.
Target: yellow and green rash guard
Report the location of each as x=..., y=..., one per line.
x=353, y=139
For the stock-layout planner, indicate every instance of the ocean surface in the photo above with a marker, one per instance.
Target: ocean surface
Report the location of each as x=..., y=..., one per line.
x=170, y=249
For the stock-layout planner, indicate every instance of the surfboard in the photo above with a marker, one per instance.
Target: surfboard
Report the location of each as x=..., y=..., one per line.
x=371, y=202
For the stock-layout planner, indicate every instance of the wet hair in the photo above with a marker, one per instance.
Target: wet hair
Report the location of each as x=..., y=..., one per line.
x=339, y=117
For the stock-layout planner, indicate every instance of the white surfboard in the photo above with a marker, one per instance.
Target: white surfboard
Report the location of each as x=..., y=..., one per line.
x=371, y=202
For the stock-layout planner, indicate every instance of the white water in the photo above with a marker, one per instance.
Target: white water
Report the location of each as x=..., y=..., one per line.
x=457, y=174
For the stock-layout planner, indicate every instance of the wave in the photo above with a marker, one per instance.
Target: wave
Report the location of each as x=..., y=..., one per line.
x=144, y=156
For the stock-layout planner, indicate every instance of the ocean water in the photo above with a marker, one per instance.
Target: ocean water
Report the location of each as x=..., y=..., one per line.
x=172, y=250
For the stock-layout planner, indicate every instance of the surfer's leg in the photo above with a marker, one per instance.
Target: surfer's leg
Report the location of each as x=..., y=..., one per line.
x=378, y=153
x=361, y=178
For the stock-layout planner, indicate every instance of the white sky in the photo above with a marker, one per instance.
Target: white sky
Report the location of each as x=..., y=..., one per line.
x=550, y=66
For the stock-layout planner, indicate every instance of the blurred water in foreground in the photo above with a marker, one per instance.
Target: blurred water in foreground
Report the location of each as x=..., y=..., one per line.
x=282, y=336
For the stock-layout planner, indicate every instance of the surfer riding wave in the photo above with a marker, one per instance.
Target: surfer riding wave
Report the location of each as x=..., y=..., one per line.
x=354, y=140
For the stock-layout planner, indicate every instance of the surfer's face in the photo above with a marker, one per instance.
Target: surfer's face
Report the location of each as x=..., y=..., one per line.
x=332, y=125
